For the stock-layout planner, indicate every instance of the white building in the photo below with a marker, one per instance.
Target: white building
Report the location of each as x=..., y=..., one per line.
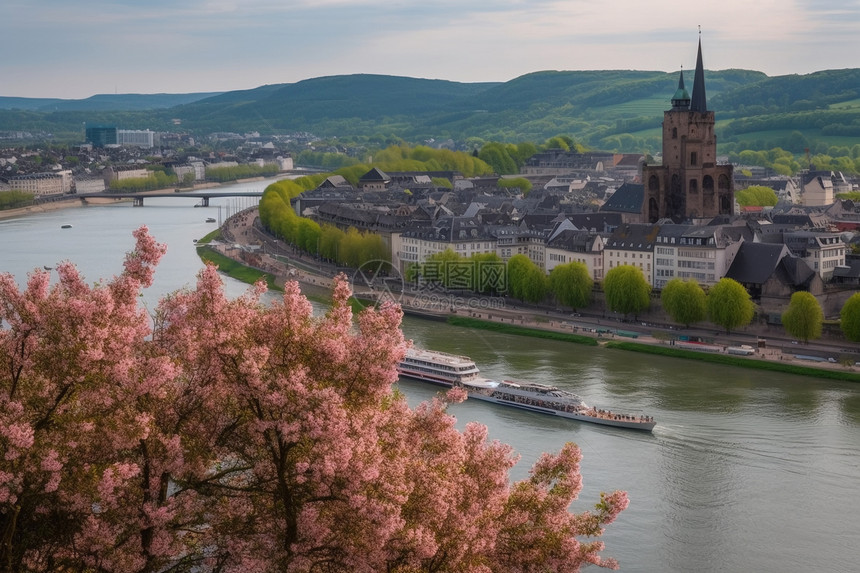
x=135, y=138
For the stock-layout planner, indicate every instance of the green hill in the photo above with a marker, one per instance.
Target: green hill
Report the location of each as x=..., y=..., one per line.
x=617, y=110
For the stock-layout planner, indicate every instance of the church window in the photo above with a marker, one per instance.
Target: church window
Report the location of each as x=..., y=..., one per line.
x=694, y=159
x=674, y=133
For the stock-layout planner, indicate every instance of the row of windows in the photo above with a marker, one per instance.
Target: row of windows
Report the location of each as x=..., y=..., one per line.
x=832, y=263
x=690, y=254
x=695, y=265
x=632, y=255
x=701, y=277
x=665, y=251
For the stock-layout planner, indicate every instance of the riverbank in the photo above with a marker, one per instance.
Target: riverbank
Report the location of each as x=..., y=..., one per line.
x=246, y=244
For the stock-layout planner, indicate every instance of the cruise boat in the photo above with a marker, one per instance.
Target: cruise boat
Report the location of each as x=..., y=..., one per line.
x=453, y=370
x=552, y=400
x=438, y=367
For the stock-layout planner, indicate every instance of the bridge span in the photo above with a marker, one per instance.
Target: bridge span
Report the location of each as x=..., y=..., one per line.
x=137, y=198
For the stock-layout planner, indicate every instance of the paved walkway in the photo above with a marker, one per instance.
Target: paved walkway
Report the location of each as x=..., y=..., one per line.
x=242, y=232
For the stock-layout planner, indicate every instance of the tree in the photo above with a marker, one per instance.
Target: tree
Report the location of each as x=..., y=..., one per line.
x=803, y=317
x=729, y=304
x=756, y=195
x=849, y=318
x=571, y=284
x=626, y=290
x=526, y=280
x=225, y=435
x=685, y=301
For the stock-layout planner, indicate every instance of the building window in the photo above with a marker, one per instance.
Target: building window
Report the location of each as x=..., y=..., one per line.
x=694, y=158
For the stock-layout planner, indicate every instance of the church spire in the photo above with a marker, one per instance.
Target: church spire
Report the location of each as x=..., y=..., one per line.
x=699, y=101
x=681, y=99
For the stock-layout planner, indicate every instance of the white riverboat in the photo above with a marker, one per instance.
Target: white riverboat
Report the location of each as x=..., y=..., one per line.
x=452, y=370
x=438, y=367
x=552, y=400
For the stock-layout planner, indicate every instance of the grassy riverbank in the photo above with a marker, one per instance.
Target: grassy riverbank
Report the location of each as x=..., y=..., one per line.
x=739, y=361
x=235, y=269
x=520, y=330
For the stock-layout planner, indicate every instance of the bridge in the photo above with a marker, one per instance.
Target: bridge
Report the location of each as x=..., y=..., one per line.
x=137, y=198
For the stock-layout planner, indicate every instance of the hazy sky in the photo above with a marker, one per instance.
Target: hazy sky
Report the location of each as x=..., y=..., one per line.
x=78, y=48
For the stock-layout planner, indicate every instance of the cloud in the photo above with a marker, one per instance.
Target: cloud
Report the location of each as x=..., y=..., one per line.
x=97, y=46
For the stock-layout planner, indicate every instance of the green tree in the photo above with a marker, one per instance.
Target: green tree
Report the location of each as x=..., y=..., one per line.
x=850, y=318
x=521, y=183
x=685, y=301
x=626, y=290
x=526, y=280
x=803, y=317
x=756, y=195
x=729, y=304
x=571, y=284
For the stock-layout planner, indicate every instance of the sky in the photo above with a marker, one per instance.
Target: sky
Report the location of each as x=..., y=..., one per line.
x=74, y=49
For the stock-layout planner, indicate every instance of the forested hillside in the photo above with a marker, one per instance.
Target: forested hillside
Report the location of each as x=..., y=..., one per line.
x=613, y=110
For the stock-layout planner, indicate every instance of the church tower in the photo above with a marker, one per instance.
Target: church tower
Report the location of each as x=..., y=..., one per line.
x=689, y=184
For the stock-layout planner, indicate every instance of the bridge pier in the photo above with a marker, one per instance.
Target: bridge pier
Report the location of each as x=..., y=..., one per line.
x=137, y=201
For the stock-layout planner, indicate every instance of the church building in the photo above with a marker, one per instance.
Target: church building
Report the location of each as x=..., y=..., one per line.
x=689, y=184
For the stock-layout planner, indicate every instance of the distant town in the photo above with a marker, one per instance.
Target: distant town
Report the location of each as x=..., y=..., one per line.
x=672, y=216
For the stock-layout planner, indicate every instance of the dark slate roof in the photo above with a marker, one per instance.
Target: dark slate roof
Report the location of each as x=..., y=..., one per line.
x=374, y=174
x=627, y=199
x=795, y=272
x=755, y=263
x=574, y=241
x=851, y=270
x=633, y=237
x=600, y=222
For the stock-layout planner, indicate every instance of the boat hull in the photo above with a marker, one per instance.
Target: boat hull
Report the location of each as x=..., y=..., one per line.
x=621, y=421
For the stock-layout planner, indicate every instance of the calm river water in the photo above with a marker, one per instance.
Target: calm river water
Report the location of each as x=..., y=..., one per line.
x=745, y=471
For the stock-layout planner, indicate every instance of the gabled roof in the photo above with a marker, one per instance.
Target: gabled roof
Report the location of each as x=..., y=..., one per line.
x=374, y=175
x=633, y=237
x=626, y=199
x=755, y=263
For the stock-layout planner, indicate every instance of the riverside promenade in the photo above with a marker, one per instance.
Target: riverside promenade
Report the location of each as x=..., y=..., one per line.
x=243, y=233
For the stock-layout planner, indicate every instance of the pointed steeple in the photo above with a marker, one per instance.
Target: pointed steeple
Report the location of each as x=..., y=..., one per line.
x=699, y=101
x=681, y=99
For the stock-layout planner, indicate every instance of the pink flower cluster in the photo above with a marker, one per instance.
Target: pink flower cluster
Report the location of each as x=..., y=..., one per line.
x=226, y=435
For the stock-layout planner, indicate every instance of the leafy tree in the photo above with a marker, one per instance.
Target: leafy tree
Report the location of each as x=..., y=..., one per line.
x=685, y=301
x=526, y=280
x=849, y=318
x=571, y=284
x=521, y=183
x=803, y=317
x=756, y=195
x=626, y=290
x=729, y=304
x=227, y=435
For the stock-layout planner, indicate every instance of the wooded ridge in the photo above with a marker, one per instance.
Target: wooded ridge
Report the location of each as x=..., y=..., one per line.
x=613, y=110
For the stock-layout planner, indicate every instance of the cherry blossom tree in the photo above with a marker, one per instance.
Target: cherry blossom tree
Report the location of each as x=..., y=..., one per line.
x=227, y=435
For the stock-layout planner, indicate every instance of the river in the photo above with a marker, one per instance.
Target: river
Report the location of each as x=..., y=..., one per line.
x=745, y=471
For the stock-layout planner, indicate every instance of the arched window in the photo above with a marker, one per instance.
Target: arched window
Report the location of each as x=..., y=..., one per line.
x=723, y=182
x=708, y=184
x=653, y=210
x=653, y=183
x=693, y=186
